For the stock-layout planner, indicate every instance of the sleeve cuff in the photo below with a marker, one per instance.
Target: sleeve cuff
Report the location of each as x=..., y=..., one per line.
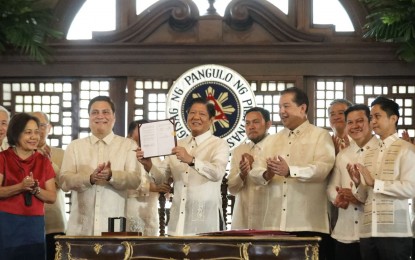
x=378, y=187
x=112, y=180
x=293, y=172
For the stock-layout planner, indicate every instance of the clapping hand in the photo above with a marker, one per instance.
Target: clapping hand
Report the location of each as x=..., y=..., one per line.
x=46, y=151
x=357, y=170
x=353, y=173
x=271, y=168
x=160, y=188
x=278, y=166
x=28, y=183
x=101, y=173
x=340, y=143
x=405, y=136
x=106, y=172
x=340, y=201
x=345, y=197
x=245, y=165
x=366, y=175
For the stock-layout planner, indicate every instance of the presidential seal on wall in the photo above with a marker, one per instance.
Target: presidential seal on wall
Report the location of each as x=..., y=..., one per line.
x=225, y=88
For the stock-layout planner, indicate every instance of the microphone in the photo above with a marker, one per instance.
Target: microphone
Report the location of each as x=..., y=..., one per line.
x=27, y=199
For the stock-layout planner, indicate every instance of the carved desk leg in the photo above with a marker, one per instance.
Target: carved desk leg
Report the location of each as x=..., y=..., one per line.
x=162, y=214
x=224, y=195
x=58, y=251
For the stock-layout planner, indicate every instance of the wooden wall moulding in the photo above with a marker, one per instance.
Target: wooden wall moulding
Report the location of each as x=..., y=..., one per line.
x=241, y=15
x=254, y=37
x=182, y=18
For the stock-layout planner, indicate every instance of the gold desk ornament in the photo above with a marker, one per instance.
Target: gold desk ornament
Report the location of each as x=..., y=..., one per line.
x=128, y=250
x=276, y=249
x=314, y=252
x=186, y=249
x=245, y=247
x=97, y=248
x=58, y=251
x=68, y=245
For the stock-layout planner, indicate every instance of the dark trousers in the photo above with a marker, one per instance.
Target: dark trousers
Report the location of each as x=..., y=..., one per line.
x=413, y=248
x=331, y=245
x=324, y=245
x=386, y=248
x=347, y=251
x=222, y=223
x=50, y=245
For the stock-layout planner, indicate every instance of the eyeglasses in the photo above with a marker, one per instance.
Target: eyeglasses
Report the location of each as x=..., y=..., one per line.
x=43, y=126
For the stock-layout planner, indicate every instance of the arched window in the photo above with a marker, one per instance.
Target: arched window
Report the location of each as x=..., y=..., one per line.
x=95, y=15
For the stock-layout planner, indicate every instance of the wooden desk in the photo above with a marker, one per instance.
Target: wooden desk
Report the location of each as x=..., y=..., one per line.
x=194, y=247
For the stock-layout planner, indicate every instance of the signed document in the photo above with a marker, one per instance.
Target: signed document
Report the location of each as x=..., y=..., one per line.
x=157, y=138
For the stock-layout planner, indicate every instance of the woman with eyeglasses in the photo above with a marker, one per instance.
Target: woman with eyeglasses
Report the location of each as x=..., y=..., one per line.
x=27, y=181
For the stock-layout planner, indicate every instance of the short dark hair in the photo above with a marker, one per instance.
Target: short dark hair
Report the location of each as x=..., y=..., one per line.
x=300, y=97
x=134, y=124
x=17, y=125
x=389, y=106
x=101, y=98
x=264, y=112
x=358, y=107
x=209, y=106
x=340, y=101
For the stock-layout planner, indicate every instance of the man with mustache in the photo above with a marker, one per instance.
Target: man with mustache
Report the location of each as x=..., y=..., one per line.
x=247, y=193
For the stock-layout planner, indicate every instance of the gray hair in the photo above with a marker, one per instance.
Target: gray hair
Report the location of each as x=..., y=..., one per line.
x=339, y=101
x=42, y=113
x=3, y=109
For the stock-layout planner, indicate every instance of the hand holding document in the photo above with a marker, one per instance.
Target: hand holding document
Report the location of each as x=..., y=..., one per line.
x=157, y=138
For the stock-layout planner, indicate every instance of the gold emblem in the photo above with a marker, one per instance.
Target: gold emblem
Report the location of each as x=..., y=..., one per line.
x=186, y=249
x=97, y=248
x=276, y=249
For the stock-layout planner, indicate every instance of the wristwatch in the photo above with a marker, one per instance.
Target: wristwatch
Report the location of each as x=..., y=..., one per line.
x=193, y=162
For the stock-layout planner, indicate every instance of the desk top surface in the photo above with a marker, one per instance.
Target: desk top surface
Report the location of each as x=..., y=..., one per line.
x=193, y=238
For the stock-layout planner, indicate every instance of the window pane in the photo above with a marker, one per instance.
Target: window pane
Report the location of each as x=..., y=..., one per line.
x=281, y=4
x=94, y=15
x=142, y=5
x=331, y=12
x=326, y=91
